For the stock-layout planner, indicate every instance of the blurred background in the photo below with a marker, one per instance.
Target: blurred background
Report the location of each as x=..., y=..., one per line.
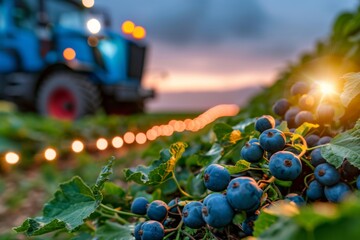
x=162, y=63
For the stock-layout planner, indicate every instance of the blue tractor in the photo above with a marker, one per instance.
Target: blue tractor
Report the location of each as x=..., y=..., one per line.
x=61, y=59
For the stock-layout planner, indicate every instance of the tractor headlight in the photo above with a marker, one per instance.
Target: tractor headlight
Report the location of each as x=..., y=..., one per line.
x=93, y=25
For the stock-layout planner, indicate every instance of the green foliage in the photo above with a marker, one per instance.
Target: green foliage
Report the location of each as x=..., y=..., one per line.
x=159, y=170
x=345, y=145
x=114, y=231
x=351, y=89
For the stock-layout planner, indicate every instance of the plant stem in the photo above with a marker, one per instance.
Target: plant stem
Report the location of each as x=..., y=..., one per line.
x=179, y=187
x=119, y=212
x=319, y=146
x=308, y=163
x=266, y=182
x=117, y=217
x=306, y=177
x=169, y=235
x=188, y=235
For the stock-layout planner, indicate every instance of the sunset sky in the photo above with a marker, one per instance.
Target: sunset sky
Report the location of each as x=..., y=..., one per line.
x=202, y=45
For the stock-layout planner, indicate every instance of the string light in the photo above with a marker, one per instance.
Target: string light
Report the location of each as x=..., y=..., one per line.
x=77, y=146
x=12, y=158
x=50, y=154
x=151, y=134
x=102, y=144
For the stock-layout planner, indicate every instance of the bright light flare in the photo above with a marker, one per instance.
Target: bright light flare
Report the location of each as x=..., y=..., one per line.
x=117, y=142
x=50, y=154
x=88, y=3
x=69, y=54
x=77, y=146
x=93, y=25
x=327, y=88
x=140, y=138
x=128, y=27
x=102, y=144
x=12, y=158
x=129, y=137
x=139, y=32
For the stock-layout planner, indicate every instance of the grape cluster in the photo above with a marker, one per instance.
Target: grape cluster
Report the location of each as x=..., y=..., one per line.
x=294, y=169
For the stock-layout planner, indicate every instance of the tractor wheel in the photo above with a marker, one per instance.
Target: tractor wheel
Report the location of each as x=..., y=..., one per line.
x=67, y=96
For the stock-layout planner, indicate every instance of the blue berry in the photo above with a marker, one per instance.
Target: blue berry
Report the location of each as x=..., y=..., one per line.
x=290, y=116
x=139, y=205
x=137, y=231
x=252, y=152
x=315, y=190
x=272, y=140
x=312, y=140
x=152, y=230
x=326, y=174
x=253, y=140
x=216, y=211
x=285, y=165
x=324, y=140
x=325, y=113
x=216, y=177
x=208, y=197
x=248, y=224
x=316, y=157
x=192, y=215
x=157, y=210
x=306, y=102
x=296, y=198
x=358, y=182
x=281, y=106
x=264, y=122
x=299, y=88
x=302, y=117
x=337, y=192
x=243, y=193
x=171, y=204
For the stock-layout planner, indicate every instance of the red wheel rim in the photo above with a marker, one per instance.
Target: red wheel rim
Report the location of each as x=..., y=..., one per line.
x=62, y=104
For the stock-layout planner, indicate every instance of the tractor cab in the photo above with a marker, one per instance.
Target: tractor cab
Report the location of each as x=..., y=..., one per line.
x=63, y=60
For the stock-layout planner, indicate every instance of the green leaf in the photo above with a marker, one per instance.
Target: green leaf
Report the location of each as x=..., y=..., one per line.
x=351, y=89
x=222, y=129
x=246, y=126
x=114, y=231
x=305, y=128
x=160, y=170
x=240, y=166
x=72, y=204
x=212, y=156
x=283, y=126
x=344, y=146
x=103, y=177
x=264, y=221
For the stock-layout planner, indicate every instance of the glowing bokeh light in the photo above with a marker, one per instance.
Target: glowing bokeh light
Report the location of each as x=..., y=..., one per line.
x=139, y=32
x=94, y=25
x=140, y=138
x=12, y=158
x=128, y=27
x=117, y=142
x=69, y=54
x=50, y=154
x=102, y=144
x=151, y=134
x=327, y=88
x=88, y=3
x=129, y=137
x=77, y=146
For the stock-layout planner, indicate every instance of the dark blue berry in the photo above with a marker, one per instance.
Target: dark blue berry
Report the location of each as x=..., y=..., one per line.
x=281, y=106
x=312, y=140
x=315, y=190
x=272, y=140
x=139, y=205
x=137, y=231
x=216, y=177
x=192, y=215
x=290, y=116
x=326, y=174
x=303, y=117
x=325, y=113
x=300, y=88
x=337, y=192
x=285, y=165
x=307, y=102
x=152, y=230
x=243, y=193
x=358, y=182
x=252, y=152
x=316, y=157
x=157, y=210
x=264, y=122
x=296, y=198
x=216, y=211
x=171, y=205
x=324, y=140
x=248, y=224
x=253, y=140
